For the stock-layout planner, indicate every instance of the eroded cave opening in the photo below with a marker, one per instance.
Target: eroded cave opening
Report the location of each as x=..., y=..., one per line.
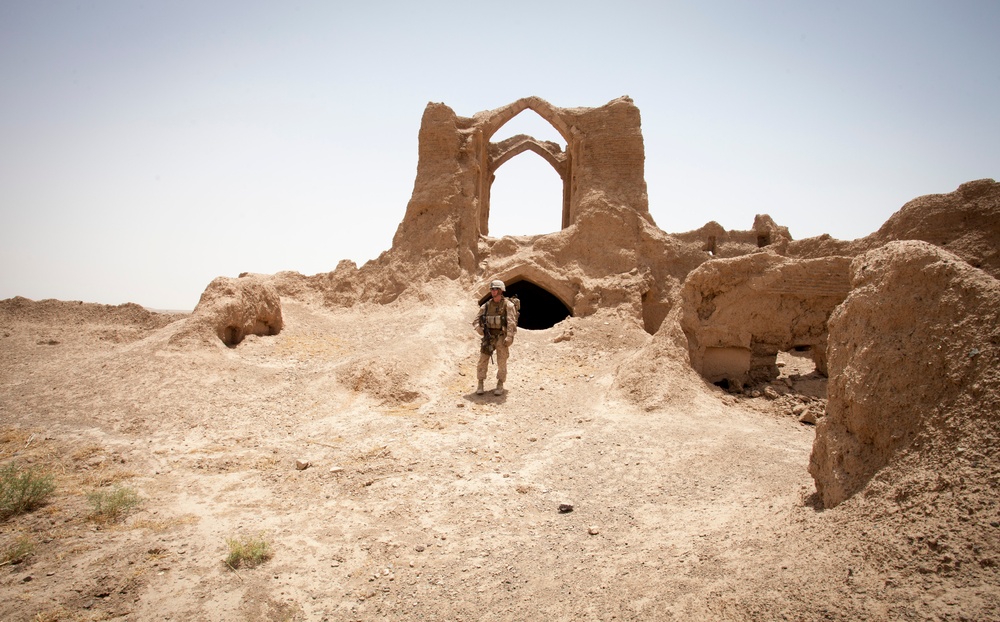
x=540, y=309
x=232, y=336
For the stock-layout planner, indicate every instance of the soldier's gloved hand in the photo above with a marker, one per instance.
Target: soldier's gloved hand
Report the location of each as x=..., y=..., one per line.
x=508, y=341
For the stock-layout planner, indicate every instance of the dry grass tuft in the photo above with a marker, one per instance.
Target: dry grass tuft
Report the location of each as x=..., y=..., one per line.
x=248, y=551
x=17, y=551
x=113, y=505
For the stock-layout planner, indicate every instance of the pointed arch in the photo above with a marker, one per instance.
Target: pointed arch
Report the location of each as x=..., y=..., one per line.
x=496, y=154
x=515, y=145
x=499, y=117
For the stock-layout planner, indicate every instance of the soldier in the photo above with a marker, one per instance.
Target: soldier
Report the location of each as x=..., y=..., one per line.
x=496, y=322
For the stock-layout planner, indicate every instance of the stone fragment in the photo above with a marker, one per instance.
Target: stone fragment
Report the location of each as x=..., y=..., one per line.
x=301, y=465
x=565, y=508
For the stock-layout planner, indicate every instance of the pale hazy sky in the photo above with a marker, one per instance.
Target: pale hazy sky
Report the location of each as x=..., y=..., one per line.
x=148, y=147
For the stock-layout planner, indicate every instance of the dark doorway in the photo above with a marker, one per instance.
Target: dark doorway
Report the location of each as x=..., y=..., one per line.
x=539, y=308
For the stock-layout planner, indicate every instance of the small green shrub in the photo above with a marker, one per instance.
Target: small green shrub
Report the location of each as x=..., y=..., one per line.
x=17, y=551
x=112, y=505
x=248, y=551
x=22, y=490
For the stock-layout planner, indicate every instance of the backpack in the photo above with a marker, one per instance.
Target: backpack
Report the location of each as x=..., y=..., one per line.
x=517, y=307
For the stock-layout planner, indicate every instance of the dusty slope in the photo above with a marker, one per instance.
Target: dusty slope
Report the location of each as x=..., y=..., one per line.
x=424, y=501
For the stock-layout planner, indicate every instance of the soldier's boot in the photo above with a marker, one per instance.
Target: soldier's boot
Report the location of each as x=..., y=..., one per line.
x=499, y=389
x=479, y=389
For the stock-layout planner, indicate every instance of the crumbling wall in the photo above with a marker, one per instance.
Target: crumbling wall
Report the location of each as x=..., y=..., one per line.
x=965, y=222
x=720, y=243
x=448, y=212
x=439, y=232
x=914, y=366
x=739, y=313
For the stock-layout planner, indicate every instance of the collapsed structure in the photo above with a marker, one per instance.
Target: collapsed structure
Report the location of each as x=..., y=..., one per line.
x=723, y=303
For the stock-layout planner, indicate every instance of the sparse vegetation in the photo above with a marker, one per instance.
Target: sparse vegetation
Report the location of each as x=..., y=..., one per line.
x=17, y=551
x=248, y=551
x=112, y=505
x=51, y=615
x=22, y=490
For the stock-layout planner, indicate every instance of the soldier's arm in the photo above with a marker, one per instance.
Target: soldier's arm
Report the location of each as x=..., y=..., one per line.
x=478, y=323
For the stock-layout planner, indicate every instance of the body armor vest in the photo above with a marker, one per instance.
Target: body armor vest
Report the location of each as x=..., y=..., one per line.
x=495, y=315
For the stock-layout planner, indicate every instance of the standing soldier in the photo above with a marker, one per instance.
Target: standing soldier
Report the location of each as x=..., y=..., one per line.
x=496, y=322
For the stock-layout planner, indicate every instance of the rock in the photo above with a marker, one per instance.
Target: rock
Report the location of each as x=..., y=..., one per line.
x=808, y=417
x=565, y=508
x=301, y=465
x=593, y=530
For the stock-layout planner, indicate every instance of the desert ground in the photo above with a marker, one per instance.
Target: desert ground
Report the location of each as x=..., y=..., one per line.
x=424, y=501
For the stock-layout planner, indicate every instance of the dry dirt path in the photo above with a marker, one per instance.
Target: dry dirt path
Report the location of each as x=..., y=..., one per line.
x=421, y=501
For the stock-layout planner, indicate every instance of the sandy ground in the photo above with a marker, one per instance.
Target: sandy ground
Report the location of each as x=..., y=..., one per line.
x=422, y=500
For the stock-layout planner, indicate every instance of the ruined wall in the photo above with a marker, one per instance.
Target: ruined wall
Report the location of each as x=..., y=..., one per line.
x=739, y=313
x=610, y=253
x=608, y=158
x=914, y=367
x=965, y=222
x=720, y=243
x=448, y=212
x=440, y=225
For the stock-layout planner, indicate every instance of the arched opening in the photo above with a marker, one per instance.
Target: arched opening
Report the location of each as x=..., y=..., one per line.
x=540, y=309
x=523, y=196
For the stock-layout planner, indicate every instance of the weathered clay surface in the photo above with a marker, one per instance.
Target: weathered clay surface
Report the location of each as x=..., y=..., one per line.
x=230, y=309
x=965, y=222
x=914, y=360
x=610, y=255
x=739, y=313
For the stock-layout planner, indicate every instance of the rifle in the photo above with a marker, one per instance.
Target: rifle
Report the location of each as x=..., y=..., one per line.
x=487, y=345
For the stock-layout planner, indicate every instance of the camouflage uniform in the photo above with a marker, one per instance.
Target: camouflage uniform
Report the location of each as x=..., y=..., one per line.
x=502, y=333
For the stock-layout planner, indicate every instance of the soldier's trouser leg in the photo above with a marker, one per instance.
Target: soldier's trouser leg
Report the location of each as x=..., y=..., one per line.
x=483, y=366
x=502, y=352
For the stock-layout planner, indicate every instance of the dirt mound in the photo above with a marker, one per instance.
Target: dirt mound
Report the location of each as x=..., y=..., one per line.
x=231, y=309
x=914, y=359
x=60, y=312
x=53, y=322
